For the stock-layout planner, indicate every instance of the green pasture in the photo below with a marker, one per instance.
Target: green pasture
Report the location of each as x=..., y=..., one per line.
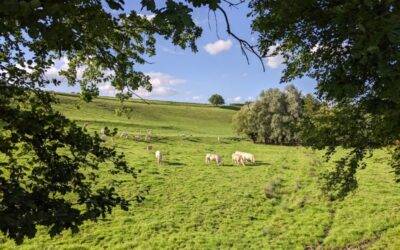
x=275, y=203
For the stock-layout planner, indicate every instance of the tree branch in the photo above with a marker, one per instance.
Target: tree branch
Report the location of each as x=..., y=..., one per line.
x=141, y=98
x=244, y=45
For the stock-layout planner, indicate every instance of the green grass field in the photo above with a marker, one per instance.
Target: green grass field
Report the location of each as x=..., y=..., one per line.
x=194, y=206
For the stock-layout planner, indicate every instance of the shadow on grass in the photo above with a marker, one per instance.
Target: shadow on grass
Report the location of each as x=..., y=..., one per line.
x=259, y=164
x=230, y=107
x=256, y=164
x=159, y=139
x=192, y=139
x=174, y=164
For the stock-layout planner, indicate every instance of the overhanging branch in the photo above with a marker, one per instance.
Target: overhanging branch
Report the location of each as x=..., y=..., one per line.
x=244, y=45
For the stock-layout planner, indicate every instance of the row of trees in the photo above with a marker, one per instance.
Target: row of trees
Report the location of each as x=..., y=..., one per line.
x=276, y=117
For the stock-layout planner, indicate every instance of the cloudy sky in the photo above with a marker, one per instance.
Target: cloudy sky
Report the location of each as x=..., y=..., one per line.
x=218, y=67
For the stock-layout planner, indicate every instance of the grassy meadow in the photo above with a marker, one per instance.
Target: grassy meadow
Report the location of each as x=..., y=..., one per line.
x=274, y=204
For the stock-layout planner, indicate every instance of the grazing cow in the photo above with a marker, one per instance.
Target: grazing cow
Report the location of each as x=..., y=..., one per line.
x=149, y=147
x=213, y=157
x=247, y=156
x=137, y=137
x=159, y=157
x=124, y=134
x=238, y=159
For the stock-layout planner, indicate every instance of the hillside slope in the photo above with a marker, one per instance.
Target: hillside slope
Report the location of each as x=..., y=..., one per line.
x=165, y=118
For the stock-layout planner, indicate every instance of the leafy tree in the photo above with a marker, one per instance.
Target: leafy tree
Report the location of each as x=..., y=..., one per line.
x=245, y=122
x=352, y=49
x=310, y=105
x=216, y=100
x=271, y=116
x=48, y=164
x=273, y=119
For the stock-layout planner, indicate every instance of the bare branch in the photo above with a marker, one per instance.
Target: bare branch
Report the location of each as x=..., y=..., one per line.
x=244, y=45
x=234, y=4
x=209, y=24
x=141, y=98
x=216, y=25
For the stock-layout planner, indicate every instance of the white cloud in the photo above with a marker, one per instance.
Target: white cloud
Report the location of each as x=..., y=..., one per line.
x=158, y=79
x=237, y=98
x=157, y=92
x=53, y=71
x=148, y=16
x=244, y=74
x=62, y=64
x=218, y=46
x=107, y=90
x=163, y=85
x=274, y=61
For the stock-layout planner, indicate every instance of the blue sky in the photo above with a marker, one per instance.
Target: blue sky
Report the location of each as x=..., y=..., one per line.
x=218, y=67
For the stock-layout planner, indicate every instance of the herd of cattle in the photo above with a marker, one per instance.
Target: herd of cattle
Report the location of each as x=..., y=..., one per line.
x=238, y=158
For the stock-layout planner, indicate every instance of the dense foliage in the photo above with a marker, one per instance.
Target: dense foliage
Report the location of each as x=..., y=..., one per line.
x=273, y=119
x=352, y=49
x=49, y=165
x=216, y=100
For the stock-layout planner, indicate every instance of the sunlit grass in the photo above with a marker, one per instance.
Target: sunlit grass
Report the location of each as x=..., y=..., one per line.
x=194, y=206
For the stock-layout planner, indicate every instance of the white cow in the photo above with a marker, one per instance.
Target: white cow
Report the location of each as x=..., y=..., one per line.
x=213, y=157
x=247, y=156
x=159, y=157
x=238, y=159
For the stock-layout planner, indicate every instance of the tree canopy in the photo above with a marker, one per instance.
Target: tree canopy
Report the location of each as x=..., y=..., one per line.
x=352, y=49
x=48, y=164
x=216, y=100
x=272, y=119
